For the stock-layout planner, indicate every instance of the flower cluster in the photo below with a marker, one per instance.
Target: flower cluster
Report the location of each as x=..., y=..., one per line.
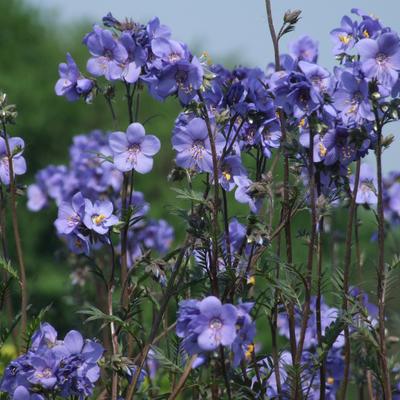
x=87, y=193
x=208, y=324
x=53, y=367
x=78, y=218
x=132, y=52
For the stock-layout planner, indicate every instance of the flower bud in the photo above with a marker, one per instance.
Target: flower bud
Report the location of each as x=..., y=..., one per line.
x=376, y=96
x=3, y=99
x=291, y=17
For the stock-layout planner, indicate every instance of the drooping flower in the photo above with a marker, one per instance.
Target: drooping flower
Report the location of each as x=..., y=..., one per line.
x=243, y=345
x=134, y=149
x=72, y=84
x=70, y=214
x=304, y=48
x=366, y=193
x=243, y=194
x=231, y=168
x=16, y=145
x=182, y=78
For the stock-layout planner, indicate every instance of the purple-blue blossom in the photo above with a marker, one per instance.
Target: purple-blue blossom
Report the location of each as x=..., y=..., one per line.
x=54, y=367
x=367, y=192
x=107, y=53
x=191, y=141
x=380, y=58
x=16, y=148
x=99, y=216
x=134, y=150
x=72, y=84
x=70, y=214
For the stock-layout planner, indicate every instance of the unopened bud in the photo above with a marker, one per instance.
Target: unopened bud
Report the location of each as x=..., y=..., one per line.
x=387, y=141
x=385, y=107
x=291, y=17
x=376, y=96
x=3, y=99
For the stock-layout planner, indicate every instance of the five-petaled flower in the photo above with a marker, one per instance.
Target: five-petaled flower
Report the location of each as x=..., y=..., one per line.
x=134, y=150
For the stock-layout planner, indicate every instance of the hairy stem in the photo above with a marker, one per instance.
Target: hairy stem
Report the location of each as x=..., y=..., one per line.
x=158, y=318
x=17, y=237
x=310, y=261
x=183, y=378
x=381, y=269
x=346, y=277
x=214, y=262
x=286, y=202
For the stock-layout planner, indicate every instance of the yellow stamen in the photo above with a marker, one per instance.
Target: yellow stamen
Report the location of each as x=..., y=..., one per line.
x=251, y=280
x=227, y=175
x=330, y=380
x=302, y=122
x=98, y=219
x=345, y=39
x=322, y=150
x=250, y=351
x=365, y=33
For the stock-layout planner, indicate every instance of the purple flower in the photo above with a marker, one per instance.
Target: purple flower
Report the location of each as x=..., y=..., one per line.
x=344, y=37
x=304, y=48
x=18, y=161
x=107, y=53
x=243, y=344
x=134, y=150
x=231, y=168
x=37, y=199
x=54, y=368
x=319, y=77
x=129, y=70
x=182, y=77
x=156, y=30
x=72, y=84
x=70, y=214
x=304, y=99
x=169, y=51
x=193, y=146
x=22, y=393
x=270, y=136
x=157, y=235
x=45, y=336
x=381, y=58
x=44, y=371
x=99, y=216
x=243, y=194
x=78, y=243
x=366, y=193
x=215, y=324
x=188, y=310
x=352, y=99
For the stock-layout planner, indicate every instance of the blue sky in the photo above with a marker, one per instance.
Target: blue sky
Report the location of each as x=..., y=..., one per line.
x=233, y=29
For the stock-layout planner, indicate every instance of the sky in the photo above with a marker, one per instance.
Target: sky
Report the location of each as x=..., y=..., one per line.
x=233, y=29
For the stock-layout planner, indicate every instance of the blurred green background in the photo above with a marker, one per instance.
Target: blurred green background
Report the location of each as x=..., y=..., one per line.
x=32, y=44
